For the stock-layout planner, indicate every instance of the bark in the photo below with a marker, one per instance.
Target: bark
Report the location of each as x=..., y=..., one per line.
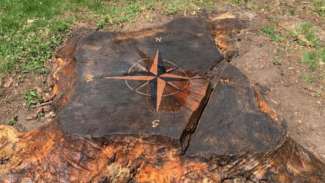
x=216, y=128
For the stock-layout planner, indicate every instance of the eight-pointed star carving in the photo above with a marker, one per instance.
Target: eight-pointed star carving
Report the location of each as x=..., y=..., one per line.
x=158, y=77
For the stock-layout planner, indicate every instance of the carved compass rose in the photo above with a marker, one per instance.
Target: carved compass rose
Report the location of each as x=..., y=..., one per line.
x=161, y=80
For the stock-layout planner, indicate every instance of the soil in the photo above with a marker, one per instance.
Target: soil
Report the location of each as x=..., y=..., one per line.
x=286, y=92
x=13, y=108
x=300, y=104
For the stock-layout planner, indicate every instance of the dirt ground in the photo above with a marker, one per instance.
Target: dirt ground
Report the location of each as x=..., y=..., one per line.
x=299, y=103
x=286, y=92
x=273, y=66
x=13, y=108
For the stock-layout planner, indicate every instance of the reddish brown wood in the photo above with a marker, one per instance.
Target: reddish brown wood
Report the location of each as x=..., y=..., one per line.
x=234, y=138
x=47, y=155
x=160, y=76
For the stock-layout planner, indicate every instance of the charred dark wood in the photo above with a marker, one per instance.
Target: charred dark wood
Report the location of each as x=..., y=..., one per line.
x=211, y=124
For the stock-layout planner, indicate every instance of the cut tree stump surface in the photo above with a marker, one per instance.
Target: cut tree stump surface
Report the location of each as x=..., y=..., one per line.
x=106, y=106
x=157, y=105
x=232, y=121
x=115, y=92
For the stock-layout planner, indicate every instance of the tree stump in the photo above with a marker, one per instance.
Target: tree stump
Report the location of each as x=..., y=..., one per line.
x=156, y=105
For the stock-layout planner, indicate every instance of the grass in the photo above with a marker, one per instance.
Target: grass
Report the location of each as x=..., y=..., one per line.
x=187, y=6
x=319, y=7
x=308, y=78
x=13, y=121
x=30, y=30
x=32, y=98
x=307, y=34
x=272, y=33
x=313, y=59
x=239, y=2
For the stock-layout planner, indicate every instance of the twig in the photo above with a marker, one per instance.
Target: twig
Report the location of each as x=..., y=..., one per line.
x=43, y=104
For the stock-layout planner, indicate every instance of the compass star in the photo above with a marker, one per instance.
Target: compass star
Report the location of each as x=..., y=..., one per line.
x=157, y=76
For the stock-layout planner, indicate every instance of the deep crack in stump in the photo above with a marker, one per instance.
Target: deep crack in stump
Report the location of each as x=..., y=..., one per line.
x=158, y=105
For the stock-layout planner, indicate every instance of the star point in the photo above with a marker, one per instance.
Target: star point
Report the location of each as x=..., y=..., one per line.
x=158, y=79
x=155, y=63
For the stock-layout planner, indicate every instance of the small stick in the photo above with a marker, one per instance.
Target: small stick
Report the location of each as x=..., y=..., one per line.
x=43, y=104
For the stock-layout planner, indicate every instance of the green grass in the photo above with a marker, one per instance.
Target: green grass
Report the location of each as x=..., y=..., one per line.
x=319, y=7
x=272, y=33
x=308, y=78
x=30, y=30
x=307, y=31
x=13, y=121
x=32, y=98
x=186, y=6
x=239, y=2
x=313, y=59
